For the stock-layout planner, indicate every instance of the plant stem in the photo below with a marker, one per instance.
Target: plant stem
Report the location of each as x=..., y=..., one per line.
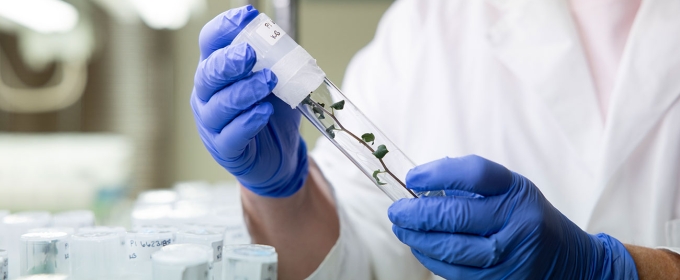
x=342, y=128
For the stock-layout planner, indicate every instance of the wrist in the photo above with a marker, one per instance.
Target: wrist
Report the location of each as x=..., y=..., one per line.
x=616, y=262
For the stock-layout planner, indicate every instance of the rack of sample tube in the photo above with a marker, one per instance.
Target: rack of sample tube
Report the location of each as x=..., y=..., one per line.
x=194, y=231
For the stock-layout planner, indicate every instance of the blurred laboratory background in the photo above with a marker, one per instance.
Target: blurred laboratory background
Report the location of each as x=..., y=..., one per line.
x=94, y=94
x=102, y=172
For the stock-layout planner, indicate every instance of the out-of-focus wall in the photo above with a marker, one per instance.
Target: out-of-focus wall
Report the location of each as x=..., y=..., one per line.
x=331, y=31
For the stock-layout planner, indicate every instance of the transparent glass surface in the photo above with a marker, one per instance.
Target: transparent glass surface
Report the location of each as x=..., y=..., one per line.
x=362, y=142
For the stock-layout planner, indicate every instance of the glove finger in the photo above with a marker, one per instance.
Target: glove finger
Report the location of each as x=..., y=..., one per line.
x=221, y=30
x=229, y=102
x=224, y=67
x=449, y=271
x=470, y=173
x=235, y=137
x=479, y=216
x=458, y=249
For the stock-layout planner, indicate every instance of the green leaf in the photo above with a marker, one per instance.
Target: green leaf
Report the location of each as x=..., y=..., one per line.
x=375, y=176
x=318, y=111
x=330, y=131
x=380, y=152
x=368, y=137
x=322, y=105
x=338, y=105
x=307, y=100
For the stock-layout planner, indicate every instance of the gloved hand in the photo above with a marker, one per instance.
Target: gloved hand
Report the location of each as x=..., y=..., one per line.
x=250, y=132
x=503, y=229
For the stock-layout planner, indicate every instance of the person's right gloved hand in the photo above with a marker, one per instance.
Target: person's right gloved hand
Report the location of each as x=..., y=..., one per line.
x=250, y=132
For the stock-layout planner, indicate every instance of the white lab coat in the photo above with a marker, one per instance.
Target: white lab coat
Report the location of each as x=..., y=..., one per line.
x=508, y=80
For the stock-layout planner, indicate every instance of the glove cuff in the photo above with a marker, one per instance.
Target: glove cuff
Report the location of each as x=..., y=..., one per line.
x=617, y=262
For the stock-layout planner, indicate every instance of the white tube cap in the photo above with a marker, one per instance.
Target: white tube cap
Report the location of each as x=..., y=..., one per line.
x=294, y=67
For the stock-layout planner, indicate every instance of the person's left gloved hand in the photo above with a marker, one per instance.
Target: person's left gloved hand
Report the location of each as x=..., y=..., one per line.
x=502, y=228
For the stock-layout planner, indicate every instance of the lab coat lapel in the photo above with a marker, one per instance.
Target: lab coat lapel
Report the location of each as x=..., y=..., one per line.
x=537, y=40
x=648, y=81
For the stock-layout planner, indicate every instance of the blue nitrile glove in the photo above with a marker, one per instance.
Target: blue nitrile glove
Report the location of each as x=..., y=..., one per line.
x=506, y=230
x=250, y=132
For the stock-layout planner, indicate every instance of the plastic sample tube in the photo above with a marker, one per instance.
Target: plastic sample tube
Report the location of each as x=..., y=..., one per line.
x=4, y=262
x=303, y=85
x=140, y=245
x=44, y=253
x=74, y=219
x=96, y=255
x=182, y=262
x=16, y=225
x=206, y=237
x=252, y=262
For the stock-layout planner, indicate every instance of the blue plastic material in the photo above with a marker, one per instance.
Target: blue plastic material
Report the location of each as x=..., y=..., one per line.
x=495, y=224
x=247, y=130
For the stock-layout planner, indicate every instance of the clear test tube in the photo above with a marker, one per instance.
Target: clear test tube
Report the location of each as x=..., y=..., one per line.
x=75, y=219
x=207, y=237
x=16, y=225
x=140, y=244
x=96, y=255
x=4, y=262
x=45, y=253
x=252, y=262
x=303, y=85
x=182, y=262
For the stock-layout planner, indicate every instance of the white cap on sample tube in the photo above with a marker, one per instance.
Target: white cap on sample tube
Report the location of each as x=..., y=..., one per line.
x=68, y=230
x=188, y=211
x=101, y=229
x=16, y=225
x=234, y=226
x=253, y=262
x=182, y=262
x=120, y=231
x=96, y=255
x=140, y=245
x=74, y=219
x=151, y=214
x=296, y=70
x=156, y=197
x=4, y=261
x=44, y=253
x=194, y=190
x=207, y=237
x=45, y=277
